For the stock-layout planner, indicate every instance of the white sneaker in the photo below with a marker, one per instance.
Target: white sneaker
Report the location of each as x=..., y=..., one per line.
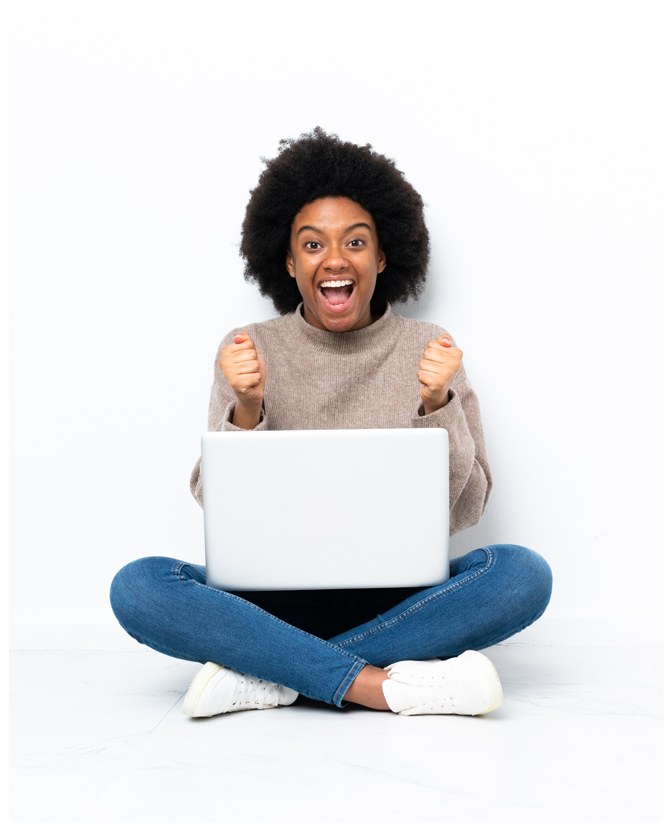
x=466, y=685
x=216, y=689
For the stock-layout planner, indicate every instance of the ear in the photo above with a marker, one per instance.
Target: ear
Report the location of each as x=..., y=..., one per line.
x=289, y=264
x=382, y=261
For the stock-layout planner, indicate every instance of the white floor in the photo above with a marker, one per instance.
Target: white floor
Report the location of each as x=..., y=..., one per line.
x=99, y=737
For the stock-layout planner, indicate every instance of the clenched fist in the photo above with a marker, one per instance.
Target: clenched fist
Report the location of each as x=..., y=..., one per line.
x=437, y=369
x=244, y=367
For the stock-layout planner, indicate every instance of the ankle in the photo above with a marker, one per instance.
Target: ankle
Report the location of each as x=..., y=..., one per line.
x=366, y=690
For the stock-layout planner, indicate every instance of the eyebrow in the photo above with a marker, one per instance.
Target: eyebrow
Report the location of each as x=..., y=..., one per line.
x=353, y=227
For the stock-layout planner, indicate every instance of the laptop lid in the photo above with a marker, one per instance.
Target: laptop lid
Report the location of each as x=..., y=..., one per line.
x=326, y=509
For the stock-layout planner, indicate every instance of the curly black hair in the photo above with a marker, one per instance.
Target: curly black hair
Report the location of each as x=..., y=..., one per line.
x=318, y=165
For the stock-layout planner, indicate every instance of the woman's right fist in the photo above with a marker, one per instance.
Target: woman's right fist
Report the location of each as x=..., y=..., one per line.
x=244, y=367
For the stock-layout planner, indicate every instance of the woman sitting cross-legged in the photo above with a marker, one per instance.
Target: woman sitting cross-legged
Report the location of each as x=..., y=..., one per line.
x=335, y=235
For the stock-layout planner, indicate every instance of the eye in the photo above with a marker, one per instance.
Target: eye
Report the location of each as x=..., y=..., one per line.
x=359, y=242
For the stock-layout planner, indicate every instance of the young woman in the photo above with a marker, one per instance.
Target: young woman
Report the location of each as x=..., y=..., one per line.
x=334, y=235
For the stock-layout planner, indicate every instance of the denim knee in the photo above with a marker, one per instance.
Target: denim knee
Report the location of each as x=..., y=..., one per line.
x=529, y=590
x=130, y=593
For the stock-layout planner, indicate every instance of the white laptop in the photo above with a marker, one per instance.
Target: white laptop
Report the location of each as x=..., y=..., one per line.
x=326, y=509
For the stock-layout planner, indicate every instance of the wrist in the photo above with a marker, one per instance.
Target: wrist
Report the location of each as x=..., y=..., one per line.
x=429, y=409
x=250, y=406
x=246, y=416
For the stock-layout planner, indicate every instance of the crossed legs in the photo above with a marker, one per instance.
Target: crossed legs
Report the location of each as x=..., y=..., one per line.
x=492, y=593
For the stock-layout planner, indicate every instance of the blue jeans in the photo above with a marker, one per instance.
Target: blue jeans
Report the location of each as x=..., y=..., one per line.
x=317, y=642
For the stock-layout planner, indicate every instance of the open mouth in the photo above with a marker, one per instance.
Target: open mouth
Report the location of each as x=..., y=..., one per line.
x=337, y=295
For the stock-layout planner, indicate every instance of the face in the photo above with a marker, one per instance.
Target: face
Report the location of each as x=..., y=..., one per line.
x=335, y=240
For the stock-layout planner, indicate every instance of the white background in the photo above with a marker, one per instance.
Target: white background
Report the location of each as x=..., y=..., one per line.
x=532, y=132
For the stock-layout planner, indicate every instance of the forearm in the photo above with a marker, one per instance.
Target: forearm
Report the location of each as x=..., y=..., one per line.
x=469, y=508
x=469, y=472
x=429, y=410
x=246, y=417
x=220, y=419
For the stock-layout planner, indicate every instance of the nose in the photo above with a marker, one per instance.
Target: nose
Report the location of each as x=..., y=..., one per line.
x=335, y=260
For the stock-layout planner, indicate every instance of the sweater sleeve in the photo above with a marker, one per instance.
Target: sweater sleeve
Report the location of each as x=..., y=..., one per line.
x=470, y=480
x=222, y=402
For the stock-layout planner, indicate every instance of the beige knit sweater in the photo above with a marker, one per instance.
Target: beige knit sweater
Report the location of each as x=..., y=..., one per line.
x=359, y=379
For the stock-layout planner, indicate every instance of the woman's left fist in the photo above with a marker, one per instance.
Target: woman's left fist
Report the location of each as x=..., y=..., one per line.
x=437, y=369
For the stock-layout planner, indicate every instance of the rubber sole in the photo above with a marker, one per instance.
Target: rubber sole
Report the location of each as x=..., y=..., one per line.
x=194, y=692
x=490, y=675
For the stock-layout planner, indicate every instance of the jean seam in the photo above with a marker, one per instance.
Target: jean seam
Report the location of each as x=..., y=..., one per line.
x=178, y=566
x=346, y=683
x=258, y=609
x=421, y=603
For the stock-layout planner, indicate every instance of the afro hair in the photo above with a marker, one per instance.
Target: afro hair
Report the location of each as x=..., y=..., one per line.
x=319, y=165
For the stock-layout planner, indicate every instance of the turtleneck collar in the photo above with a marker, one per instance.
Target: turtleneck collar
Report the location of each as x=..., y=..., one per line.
x=376, y=334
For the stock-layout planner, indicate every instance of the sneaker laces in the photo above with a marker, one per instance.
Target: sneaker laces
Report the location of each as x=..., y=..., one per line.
x=254, y=692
